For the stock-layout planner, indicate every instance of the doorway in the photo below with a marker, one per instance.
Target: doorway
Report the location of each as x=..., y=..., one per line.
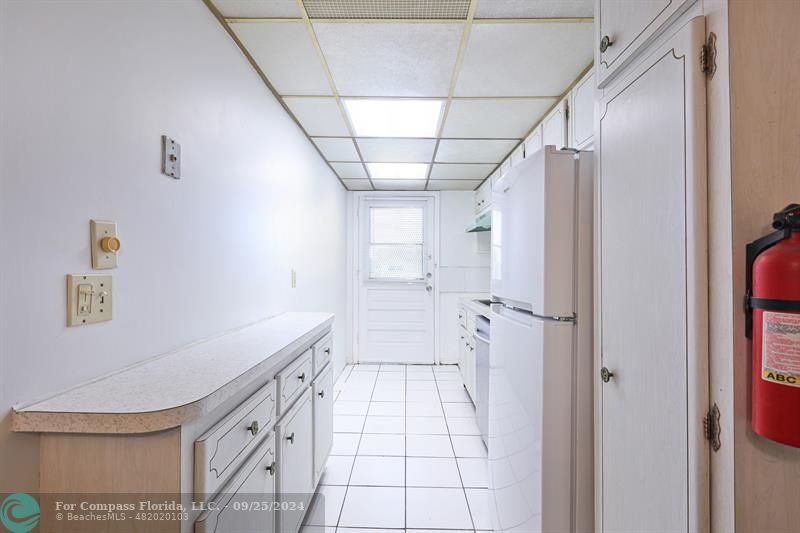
x=395, y=280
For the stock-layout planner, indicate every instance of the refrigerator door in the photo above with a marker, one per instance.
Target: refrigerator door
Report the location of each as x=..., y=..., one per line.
x=530, y=423
x=534, y=234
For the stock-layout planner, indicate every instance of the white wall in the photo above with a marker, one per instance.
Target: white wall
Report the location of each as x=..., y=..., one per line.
x=87, y=90
x=463, y=269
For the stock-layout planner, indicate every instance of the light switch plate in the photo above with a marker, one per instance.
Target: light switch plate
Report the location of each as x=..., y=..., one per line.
x=88, y=299
x=99, y=229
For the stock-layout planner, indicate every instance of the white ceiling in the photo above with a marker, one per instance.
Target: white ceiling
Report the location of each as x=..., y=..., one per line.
x=499, y=66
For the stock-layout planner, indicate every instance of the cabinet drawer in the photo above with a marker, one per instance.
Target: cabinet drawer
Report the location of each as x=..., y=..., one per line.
x=254, y=482
x=295, y=448
x=219, y=452
x=322, y=351
x=293, y=380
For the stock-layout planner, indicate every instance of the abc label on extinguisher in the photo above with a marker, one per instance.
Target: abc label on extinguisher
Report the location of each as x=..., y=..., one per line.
x=780, y=362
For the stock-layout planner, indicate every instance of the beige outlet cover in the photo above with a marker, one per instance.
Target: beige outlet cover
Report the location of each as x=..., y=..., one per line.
x=89, y=299
x=98, y=230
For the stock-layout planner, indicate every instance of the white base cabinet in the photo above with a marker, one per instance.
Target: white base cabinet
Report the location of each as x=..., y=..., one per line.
x=295, y=475
x=322, y=400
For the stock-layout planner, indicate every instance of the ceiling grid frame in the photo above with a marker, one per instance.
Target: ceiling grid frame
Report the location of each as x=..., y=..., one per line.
x=462, y=46
x=308, y=22
x=335, y=90
x=221, y=19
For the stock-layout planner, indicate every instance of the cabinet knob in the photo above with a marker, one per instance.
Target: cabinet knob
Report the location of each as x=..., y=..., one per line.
x=321, y=394
x=605, y=43
x=290, y=438
x=253, y=427
x=606, y=375
x=302, y=377
x=272, y=468
x=328, y=351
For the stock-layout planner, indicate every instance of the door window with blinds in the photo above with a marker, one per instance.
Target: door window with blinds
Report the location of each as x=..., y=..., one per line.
x=396, y=242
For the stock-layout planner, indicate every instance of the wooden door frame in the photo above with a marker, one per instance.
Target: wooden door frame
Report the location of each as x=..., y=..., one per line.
x=354, y=259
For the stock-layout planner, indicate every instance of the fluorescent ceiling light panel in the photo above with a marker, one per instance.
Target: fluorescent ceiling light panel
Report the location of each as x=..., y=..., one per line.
x=398, y=171
x=394, y=118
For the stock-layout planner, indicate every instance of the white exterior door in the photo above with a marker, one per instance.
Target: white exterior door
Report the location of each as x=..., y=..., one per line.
x=653, y=472
x=395, y=281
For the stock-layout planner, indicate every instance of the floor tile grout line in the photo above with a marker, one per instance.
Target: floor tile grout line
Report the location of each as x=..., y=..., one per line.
x=353, y=466
x=458, y=468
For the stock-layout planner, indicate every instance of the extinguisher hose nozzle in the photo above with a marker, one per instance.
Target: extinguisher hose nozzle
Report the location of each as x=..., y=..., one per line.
x=787, y=218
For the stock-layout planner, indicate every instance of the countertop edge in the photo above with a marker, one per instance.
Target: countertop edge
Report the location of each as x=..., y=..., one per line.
x=28, y=420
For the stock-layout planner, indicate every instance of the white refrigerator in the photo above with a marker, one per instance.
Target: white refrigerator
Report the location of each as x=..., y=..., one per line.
x=540, y=388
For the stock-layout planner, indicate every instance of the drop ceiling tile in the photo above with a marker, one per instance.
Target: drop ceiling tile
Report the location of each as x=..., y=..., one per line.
x=473, y=151
x=258, y=8
x=453, y=185
x=520, y=59
x=319, y=116
x=397, y=150
x=357, y=185
x=350, y=171
x=399, y=185
x=457, y=171
x=491, y=9
x=337, y=149
x=390, y=59
x=285, y=53
x=499, y=118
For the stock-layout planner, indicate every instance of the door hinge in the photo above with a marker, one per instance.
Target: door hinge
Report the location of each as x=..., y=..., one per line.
x=708, y=56
x=711, y=427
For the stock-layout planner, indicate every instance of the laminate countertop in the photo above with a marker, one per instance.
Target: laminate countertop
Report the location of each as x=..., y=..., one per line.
x=169, y=390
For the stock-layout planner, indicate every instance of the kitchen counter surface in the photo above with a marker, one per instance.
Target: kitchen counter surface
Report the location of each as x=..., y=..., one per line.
x=475, y=307
x=172, y=389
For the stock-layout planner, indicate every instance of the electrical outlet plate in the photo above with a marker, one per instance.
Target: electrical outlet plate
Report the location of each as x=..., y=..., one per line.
x=88, y=299
x=99, y=229
x=171, y=157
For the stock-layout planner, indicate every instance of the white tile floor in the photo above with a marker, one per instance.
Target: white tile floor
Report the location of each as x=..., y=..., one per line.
x=407, y=455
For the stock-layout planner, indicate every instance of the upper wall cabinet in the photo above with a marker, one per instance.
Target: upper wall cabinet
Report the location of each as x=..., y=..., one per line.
x=534, y=141
x=554, y=126
x=582, y=114
x=624, y=26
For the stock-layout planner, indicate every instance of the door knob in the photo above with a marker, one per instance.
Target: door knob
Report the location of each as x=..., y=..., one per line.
x=290, y=438
x=605, y=43
x=253, y=427
x=606, y=375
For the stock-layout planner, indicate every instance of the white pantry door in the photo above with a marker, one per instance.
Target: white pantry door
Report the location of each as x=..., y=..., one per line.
x=653, y=393
x=395, y=281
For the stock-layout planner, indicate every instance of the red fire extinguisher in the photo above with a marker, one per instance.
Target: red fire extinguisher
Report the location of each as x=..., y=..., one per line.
x=772, y=306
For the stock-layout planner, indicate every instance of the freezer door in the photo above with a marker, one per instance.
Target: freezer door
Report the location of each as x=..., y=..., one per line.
x=533, y=234
x=530, y=423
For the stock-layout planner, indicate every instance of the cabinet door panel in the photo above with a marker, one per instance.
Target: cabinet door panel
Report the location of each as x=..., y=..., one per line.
x=534, y=142
x=323, y=420
x=254, y=482
x=554, y=127
x=652, y=198
x=295, y=462
x=583, y=112
x=630, y=24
